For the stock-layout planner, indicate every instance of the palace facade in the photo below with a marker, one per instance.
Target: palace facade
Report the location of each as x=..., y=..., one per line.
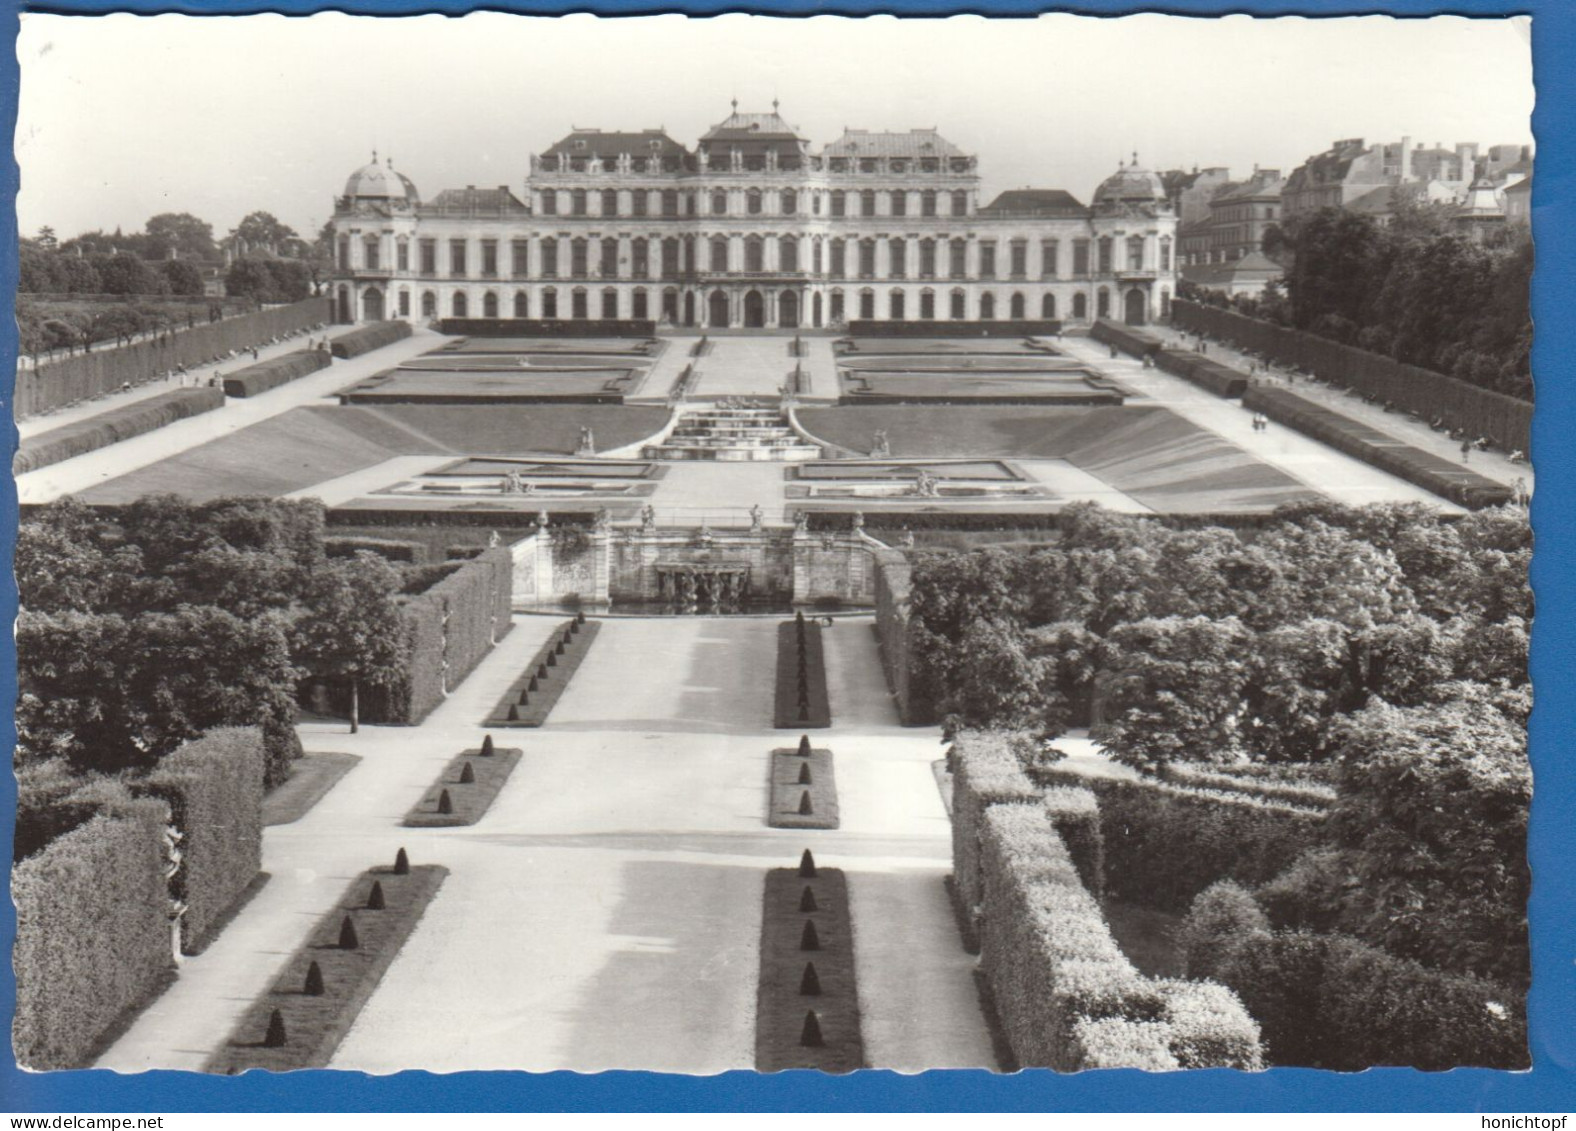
x=753, y=228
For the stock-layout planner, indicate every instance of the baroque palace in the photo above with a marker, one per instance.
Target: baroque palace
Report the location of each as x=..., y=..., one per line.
x=753, y=228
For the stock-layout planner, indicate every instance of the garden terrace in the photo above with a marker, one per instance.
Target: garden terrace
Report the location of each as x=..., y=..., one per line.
x=313, y=1023
x=849, y=348
x=494, y=386
x=534, y=693
x=471, y=780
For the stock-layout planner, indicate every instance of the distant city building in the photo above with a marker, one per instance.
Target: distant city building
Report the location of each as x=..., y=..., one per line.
x=1518, y=201
x=1221, y=237
x=754, y=228
x=1351, y=170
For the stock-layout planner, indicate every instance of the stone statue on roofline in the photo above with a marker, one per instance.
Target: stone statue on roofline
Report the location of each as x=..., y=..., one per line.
x=648, y=517
x=757, y=516
x=587, y=442
x=880, y=447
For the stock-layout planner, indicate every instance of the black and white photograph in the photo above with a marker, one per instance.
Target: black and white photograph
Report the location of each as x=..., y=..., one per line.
x=570, y=543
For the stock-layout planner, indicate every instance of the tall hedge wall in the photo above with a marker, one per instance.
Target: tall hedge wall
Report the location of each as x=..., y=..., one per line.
x=369, y=338
x=73, y=379
x=985, y=772
x=1165, y=843
x=893, y=578
x=1506, y=420
x=271, y=374
x=214, y=788
x=1197, y=368
x=113, y=426
x=1451, y=480
x=92, y=934
x=1066, y=995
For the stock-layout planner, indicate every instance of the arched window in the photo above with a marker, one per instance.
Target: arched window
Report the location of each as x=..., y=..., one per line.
x=550, y=303
x=344, y=253
x=460, y=307
x=790, y=202
x=609, y=202
x=896, y=306
x=670, y=304
x=958, y=267
x=429, y=304
x=1135, y=253
x=670, y=257
x=579, y=307
x=489, y=305
x=404, y=303
x=839, y=253
x=927, y=259
x=837, y=306
x=958, y=309
x=609, y=303
x=927, y=305
x=867, y=304
x=522, y=304
x=1102, y=303
x=839, y=203
x=608, y=268
x=815, y=256
x=867, y=258
x=927, y=202
x=1080, y=306
x=788, y=253
x=752, y=202
x=1105, y=265
x=1165, y=254
x=1016, y=306
x=754, y=255
x=719, y=253
x=369, y=247
x=897, y=258
x=578, y=268
x=719, y=203
x=638, y=305
x=987, y=306
x=1165, y=304
x=402, y=254
x=960, y=203
x=1048, y=306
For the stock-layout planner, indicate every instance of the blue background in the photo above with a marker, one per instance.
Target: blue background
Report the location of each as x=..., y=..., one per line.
x=1550, y=1086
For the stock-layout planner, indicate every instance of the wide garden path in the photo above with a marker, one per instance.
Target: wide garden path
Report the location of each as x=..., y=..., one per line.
x=745, y=366
x=75, y=475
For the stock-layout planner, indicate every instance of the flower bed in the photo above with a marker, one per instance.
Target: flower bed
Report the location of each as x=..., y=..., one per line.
x=311, y=1025
x=801, y=704
x=784, y=1034
x=534, y=693
x=273, y=373
x=468, y=800
x=801, y=789
x=113, y=426
x=1454, y=481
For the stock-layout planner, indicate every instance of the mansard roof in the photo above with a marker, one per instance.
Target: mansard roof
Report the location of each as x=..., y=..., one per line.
x=1046, y=203
x=913, y=144
x=610, y=144
x=752, y=127
x=470, y=199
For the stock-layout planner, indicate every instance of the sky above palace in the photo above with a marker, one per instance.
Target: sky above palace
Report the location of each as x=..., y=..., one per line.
x=122, y=117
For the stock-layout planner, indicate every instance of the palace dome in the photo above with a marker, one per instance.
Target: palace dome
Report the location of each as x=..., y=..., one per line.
x=380, y=182
x=1130, y=185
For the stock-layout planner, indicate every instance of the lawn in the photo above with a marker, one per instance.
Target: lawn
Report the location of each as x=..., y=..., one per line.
x=311, y=777
x=468, y=800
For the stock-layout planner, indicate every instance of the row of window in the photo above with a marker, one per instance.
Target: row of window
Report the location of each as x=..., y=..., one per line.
x=678, y=254
x=1017, y=305
x=668, y=202
x=757, y=163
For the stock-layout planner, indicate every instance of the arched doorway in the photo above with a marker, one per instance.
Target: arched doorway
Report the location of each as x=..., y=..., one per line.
x=1016, y=305
x=896, y=307
x=717, y=310
x=1135, y=305
x=987, y=307
x=1080, y=306
x=689, y=308
x=788, y=310
x=754, y=310
x=489, y=305
x=815, y=307
x=344, y=304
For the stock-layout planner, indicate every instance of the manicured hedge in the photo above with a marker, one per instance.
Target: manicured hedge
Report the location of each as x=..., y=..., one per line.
x=1506, y=420
x=214, y=788
x=1124, y=338
x=894, y=584
x=817, y=713
x=1309, y=795
x=1065, y=995
x=1075, y=814
x=559, y=657
x=92, y=934
x=985, y=772
x=1165, y=843
x=1330, y=1001
x=1203, y=371
x=1454, y=481
x=271, y=374
x=113, y=426
x=393, y=549
x=369, y=338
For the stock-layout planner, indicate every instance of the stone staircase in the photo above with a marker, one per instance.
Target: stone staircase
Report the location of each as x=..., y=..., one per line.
x=712, y=432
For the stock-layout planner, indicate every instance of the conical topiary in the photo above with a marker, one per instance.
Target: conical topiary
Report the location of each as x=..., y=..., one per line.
x=809, y=981
x=805, y=808
x=808, y=938
x=467, y=775
x=810, y=1035
x=514, y=712
x=806, y=865
x=558, y=649
x=804, y=746
x=532, y=685
x=313, y=987
x=487, y=747
x=375, y=900
x=525, y=698
x=445, y=803
x=275, y=1037
x=807, y=901
x=804, y=773
x=401, y=863
x=541, y=670
x=348, y=939
x=580, y=618
x=552, y=659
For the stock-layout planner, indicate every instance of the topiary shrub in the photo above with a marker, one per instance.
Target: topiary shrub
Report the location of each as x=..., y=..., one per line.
x=1309, y=895
x=1221, y=915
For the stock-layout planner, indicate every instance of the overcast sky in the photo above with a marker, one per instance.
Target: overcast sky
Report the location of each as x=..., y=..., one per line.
x=122, y=117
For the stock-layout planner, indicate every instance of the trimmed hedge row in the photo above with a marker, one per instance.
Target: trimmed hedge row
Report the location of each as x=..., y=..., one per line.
x=214, y=788
x=92, y=934
x=1453, y=481
x=1124, y=338
x=271, y=374
x=1165, y=843
x=113, y=426
x=894, y=578
x=369, y=338
x=1330, y=1001
x=1075, y=815
x=1308, y=795
x=1506, y=420
x=1205, y=372
x=985, y=772
x=395, y=550
x=1066, y=996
